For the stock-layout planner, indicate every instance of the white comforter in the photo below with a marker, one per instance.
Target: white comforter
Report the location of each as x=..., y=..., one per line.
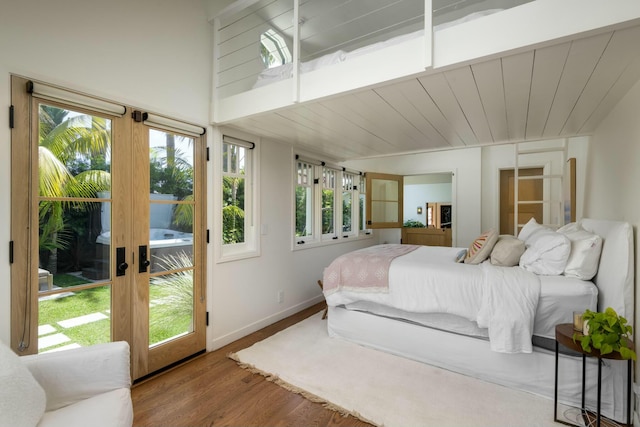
x=428, y=280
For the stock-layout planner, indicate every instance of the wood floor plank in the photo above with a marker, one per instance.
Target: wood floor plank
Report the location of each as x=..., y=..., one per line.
x=211, y=390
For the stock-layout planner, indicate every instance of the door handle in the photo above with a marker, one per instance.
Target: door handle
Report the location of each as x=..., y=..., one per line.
x=143, y=260
x=121, y=262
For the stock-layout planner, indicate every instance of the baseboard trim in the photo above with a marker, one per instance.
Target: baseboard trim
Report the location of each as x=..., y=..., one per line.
x=219, y=342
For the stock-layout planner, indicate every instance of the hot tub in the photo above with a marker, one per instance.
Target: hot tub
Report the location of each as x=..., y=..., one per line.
x=162, y=242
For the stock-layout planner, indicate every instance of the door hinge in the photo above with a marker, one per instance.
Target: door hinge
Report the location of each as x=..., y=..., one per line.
x=11, y=252
x=207, y=318
x=11, y=112
x=138, y=116
x=207, y=154
x=207, y=235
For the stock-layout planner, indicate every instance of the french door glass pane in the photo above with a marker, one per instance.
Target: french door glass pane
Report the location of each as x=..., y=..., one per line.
x=171, y=165
x=171, y=224
x=171, y=302
x=74, y=318
x=74, y=173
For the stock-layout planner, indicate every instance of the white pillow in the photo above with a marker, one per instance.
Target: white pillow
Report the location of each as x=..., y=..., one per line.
x=22, y=399
x=546, y=252
x=585, y=252
x=529, y=229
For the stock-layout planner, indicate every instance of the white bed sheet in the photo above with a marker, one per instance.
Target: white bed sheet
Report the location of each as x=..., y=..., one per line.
x=560, y=296
x=428, y=280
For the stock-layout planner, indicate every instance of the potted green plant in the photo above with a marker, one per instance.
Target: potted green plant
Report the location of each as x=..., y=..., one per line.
x=607, y=332
x=412, y=223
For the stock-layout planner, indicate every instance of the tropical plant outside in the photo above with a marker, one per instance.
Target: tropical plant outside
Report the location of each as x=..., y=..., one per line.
x=233, y=193
x=172, y=314
x=72, y=163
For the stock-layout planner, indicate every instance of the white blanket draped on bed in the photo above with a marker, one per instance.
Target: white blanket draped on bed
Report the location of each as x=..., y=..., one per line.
x=428, y=280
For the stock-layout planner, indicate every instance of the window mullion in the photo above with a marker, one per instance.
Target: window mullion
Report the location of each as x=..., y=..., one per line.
x=317, y=202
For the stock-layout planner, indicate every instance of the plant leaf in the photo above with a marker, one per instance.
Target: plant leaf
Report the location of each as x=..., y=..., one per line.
x=606, y=348
x=627, y=353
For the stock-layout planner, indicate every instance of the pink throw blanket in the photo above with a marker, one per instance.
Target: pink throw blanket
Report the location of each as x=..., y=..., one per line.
x=364, y=270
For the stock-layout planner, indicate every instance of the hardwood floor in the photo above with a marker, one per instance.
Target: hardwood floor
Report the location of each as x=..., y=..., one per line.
x=211, y=390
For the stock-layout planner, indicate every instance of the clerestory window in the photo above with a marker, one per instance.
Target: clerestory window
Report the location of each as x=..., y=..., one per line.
x=273, y=49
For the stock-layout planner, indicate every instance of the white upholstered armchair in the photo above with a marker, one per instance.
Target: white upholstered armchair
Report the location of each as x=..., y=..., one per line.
x=79, y=387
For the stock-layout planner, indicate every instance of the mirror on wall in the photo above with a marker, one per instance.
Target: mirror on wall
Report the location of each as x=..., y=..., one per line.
x=427, y=200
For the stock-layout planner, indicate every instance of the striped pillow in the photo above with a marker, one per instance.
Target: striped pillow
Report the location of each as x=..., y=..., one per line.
x=481, y=248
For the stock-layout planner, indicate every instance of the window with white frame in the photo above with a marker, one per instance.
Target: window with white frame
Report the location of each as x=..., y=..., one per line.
x=304, y=201
x=238, y=231
x=328, y=203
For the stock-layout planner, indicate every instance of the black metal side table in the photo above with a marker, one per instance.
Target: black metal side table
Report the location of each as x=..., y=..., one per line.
x=564, y=336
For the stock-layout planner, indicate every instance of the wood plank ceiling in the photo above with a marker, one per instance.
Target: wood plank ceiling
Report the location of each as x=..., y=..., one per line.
x=558, y=90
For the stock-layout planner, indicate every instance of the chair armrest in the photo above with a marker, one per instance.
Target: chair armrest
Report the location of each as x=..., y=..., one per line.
x=72, y=375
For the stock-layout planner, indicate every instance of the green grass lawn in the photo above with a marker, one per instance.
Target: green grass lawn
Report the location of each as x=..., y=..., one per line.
x=165, y=322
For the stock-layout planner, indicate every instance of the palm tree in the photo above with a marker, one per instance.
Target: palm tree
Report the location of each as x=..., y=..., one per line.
x=66, y=139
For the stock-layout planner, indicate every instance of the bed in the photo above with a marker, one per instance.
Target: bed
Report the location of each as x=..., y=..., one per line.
x=451, y=332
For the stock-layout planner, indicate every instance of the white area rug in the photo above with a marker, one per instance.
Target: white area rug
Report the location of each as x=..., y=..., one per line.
x=384, y=389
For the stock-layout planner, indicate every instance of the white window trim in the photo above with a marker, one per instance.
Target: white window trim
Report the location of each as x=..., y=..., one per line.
x=250, y=248
x=355, y=205
x=337, y=201
x=317, y=239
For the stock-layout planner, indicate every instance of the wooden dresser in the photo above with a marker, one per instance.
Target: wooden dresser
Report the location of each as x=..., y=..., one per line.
x=426, y=236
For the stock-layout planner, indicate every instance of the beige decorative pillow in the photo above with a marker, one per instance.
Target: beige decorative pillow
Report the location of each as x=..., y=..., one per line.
x=507, y=251
x=481, y=247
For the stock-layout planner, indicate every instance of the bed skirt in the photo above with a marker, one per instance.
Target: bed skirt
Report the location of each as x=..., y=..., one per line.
x=532, y=372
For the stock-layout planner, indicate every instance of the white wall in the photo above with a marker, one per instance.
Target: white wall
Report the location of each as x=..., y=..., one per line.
x=152, y=54
x=243, y=296
x=614, y=175
x=466, y=166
